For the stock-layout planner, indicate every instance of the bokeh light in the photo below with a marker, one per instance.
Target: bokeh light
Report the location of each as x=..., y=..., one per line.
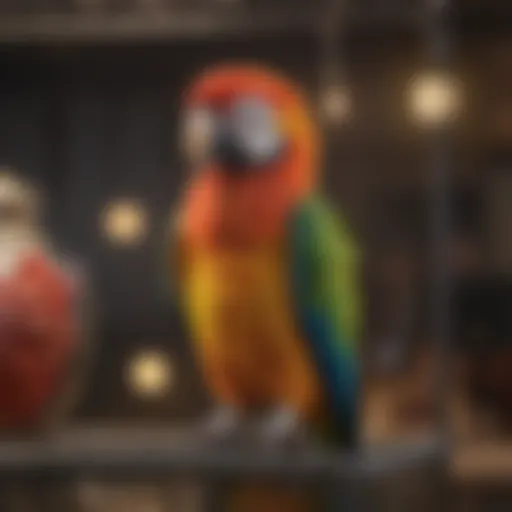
x=150, y=374
x=124, y=222
x=336, y=103
x=434, y=98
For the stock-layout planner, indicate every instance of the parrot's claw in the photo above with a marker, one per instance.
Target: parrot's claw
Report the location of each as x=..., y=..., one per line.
x=282, y=427
x=222, y=425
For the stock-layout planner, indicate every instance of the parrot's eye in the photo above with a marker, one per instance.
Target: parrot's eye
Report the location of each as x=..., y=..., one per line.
x=254, y=126
x=198, y=132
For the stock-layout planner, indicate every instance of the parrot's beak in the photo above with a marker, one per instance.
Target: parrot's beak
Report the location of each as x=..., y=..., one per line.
x=245, y=137
x=231, y=156
x=204, y=143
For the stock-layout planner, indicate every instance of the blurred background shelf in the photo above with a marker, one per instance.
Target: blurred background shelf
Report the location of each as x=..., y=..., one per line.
x=229, y=18
x=139, y=27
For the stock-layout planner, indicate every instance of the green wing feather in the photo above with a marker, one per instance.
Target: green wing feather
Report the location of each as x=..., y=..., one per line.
x=328, y=300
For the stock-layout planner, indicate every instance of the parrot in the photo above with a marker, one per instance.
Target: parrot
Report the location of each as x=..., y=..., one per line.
x=40, y=330
x=267, y=273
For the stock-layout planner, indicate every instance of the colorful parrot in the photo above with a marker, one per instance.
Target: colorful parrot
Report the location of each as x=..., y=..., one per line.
x=268, y=276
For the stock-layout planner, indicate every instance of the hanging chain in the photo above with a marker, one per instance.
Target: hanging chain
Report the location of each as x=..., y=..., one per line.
x=331, y=31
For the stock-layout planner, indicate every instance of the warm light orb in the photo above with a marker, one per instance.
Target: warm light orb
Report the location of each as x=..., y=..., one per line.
x=336, y=103
x=150, y=374
x=434, y=99
x=124, y=222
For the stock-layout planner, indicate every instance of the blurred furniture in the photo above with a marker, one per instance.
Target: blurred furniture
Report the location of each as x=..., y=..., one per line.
x=403, y=405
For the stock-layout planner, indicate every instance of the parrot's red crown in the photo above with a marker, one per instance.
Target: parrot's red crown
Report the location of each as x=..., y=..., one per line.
x=219, y=85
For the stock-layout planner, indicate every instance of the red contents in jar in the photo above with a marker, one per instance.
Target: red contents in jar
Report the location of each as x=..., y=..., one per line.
x=37, y=335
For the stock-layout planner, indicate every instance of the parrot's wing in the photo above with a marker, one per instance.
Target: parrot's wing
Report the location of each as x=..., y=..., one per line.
x=326, y=291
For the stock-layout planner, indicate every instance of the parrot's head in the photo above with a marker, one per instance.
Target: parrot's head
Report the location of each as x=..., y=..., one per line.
x=252, y=141
x=247, y=120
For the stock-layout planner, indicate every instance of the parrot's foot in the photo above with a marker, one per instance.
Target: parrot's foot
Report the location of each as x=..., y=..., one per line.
x=222, y=425
x=282, y=427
